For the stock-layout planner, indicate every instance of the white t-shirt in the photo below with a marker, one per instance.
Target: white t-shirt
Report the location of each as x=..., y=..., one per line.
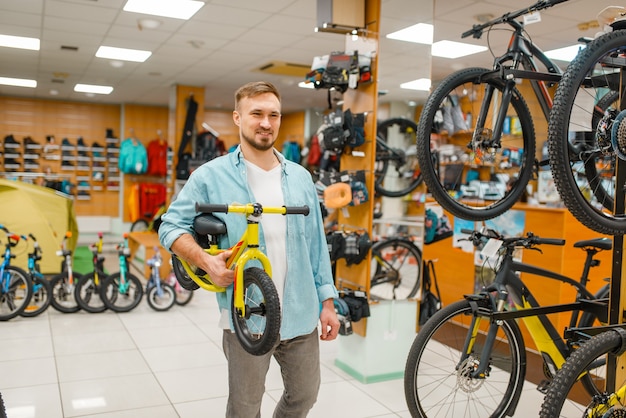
x=267, y=190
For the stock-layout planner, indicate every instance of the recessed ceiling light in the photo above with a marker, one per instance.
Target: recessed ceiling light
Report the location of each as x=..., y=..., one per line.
x=422, y=84
x=177, y=9
x=20, y=42
x=567, y=53
x=305, y=85
x=148, y=23
x=54, y=92
x=116, y=63
x=451, y=49
x=18, y=82
x=93, y=88
x=421, y=33
x=124, y=54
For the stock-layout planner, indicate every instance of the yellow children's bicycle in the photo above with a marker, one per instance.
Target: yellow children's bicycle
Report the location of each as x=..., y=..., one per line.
x=255, y=304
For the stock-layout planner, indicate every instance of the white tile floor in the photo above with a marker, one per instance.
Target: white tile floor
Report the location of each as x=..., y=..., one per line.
x=159, y=364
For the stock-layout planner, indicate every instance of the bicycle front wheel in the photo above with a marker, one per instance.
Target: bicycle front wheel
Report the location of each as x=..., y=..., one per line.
x=140, y=225
x=585, y=132
x=396, y=269
x=87, y=292
x=161, y=299
x=465, y=170
x=438, y=379
x=121, y=294
x=42, y=296
x=63, y=299
x=566, y=396
x=258, y=331
x=397, y=171
x=15, y=292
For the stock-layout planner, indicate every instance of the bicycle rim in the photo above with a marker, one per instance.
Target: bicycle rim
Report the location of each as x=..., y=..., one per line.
x=567, y=398
x=140, y=225
x=437, y=382
x=397, y=171
x=396, y=270
x=41, y=298
x=124, y=297
x=163, y=300
x=63, y=298
x=463, y=174
x=87, y=293
x=259, y=331
x=16, y=295
x=586, y=180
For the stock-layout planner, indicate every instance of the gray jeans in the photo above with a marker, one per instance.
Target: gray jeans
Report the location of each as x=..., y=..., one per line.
x=299, y=361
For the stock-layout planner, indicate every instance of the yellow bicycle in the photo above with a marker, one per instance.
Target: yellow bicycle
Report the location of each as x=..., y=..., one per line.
x=255, y=307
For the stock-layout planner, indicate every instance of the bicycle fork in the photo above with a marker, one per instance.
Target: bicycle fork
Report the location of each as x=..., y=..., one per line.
x=488, y=138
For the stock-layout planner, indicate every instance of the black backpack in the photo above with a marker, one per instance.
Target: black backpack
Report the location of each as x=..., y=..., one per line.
x=431, y=302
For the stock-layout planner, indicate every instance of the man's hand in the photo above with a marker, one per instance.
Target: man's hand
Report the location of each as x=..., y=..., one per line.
x=215, y=266
x=329, y=321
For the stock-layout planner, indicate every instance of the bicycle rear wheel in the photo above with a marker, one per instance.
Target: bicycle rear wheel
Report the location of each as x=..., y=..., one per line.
x=397, y=171
x=140, y=225
x=567, y=398
x=121, y=294
x=465, y=173
x=87, y=293
x=585, y=127
x=16, y=290
x=41, y=299
x=63, y=299
x=396, y=269
x=163, y=300
x=438, y=381
x=259, y=330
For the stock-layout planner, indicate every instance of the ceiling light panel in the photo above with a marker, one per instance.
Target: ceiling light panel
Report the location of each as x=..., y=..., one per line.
x=422, y=84
x=93, y=88
x=123, y=54
x=567, y=53
x=176, y=9
x=451, y=49
x=421, y=33
x=20, y=42
x=18, y=82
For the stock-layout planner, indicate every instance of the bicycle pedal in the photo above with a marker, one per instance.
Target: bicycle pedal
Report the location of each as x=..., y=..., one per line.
x=543, y=386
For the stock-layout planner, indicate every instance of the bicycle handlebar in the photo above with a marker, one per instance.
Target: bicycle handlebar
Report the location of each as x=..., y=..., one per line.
x=224, y=208
x=528, y=241
x=477, y=30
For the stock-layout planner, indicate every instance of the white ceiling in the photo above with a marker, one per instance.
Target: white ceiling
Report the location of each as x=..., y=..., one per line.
x=235, y=38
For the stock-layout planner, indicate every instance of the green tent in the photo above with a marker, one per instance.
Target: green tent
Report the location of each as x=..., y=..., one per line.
x=41, y=211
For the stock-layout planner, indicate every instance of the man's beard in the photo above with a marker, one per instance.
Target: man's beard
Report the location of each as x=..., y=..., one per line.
x=259, y=145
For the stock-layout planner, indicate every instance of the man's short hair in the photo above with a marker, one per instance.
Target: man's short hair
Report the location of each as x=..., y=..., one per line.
x=253, y=89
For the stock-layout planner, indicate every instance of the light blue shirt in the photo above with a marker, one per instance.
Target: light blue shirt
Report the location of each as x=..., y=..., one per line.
x=309, y=274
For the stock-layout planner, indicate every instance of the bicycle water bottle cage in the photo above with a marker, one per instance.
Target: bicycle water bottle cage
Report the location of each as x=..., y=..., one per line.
x=207, y=225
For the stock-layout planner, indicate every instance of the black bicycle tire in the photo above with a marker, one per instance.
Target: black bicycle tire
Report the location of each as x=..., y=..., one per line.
x=255, y=276
x=57, y=280
x=184, y=280
x=3, y=411
x=558, y=127
x=188, y=296
x=29, y=285
x=377, y=270
x=47, y=300
x=381, y=130
x=110, y=292
x=599, y=345
x=166, y=288
x=140, y=225
x=87, y=280
x=428, y=166
x=426, y=334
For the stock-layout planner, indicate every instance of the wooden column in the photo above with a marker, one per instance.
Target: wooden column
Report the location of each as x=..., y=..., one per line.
x=362, y=99
x=179, y=96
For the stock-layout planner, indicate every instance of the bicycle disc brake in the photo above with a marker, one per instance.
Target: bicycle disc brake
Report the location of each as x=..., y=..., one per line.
x=464, y=379
x=483, y=146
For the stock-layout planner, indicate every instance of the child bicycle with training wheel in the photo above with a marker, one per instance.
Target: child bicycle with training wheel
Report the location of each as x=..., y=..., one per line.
x=255, y=303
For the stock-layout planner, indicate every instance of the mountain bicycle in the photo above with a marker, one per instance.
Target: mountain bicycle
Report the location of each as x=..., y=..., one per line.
x=564, y=397
x=88, y=288
x=255, y=306
x=62, y=284
x=161, y=295
x=466, y=167
x=15, y=284
x=396, y=172
x=396, y=268
x=587, y=106
x=42, y=290
x=122, y=291
x=469, y=358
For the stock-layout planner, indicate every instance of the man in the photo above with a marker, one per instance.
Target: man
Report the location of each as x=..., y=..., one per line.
x=295, y=245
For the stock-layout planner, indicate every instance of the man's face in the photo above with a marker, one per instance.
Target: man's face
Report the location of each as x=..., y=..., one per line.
x=258, y=119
